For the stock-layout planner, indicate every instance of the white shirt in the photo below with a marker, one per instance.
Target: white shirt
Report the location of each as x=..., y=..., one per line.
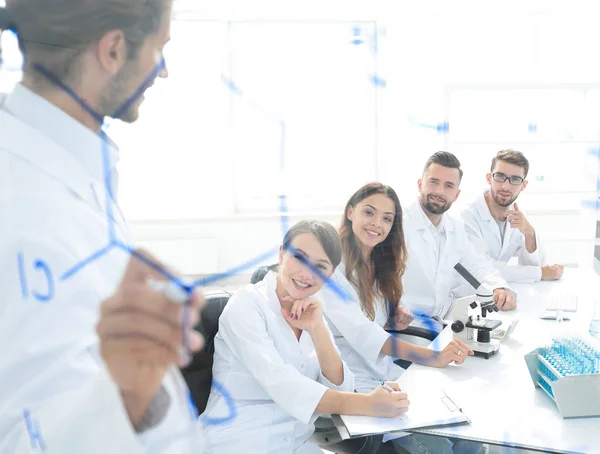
x=53, y=381
x=359, y=339
x=274, y=378
x=483, y=231
x=430, y=282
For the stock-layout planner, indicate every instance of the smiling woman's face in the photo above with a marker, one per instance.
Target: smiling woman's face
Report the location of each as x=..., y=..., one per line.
x=297, y=279
x=372, y=219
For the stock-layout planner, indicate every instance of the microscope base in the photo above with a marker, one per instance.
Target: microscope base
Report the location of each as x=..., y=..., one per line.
x=484, y=349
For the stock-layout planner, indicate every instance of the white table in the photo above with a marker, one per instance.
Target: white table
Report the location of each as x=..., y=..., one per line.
x=498, y=394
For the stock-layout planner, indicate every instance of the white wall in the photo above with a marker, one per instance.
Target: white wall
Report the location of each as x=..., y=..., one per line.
x=230, y=241
x=200, y=172
x=235, y=239
x=426, y=54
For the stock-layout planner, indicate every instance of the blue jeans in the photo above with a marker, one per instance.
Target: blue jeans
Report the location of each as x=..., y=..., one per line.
x=431, y=444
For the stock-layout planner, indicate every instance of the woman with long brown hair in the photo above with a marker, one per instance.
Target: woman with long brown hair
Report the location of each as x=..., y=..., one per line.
x=375, y=255
x=374, y=259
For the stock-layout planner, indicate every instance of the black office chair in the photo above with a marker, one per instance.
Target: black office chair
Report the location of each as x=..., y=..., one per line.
x=412, y=331
x=198, y=374
x=260, y=272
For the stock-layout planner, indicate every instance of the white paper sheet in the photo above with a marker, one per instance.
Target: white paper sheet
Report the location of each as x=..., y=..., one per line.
x=427, y=408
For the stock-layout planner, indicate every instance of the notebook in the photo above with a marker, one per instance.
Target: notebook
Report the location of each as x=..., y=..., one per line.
x=427, y=409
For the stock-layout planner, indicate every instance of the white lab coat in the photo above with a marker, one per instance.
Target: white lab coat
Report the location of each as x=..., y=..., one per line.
x=484, y=233
x=359, y=339
x=430, y=282
x=275, y=380
x=52, y=211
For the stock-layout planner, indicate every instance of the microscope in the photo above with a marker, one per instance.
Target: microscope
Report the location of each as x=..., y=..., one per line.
x=469, y=323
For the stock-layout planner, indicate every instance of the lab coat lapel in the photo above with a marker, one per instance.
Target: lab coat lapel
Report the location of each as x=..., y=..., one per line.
x=422, y=227
x=430, y=241
x=113, y=215
x=46, y=155
x=56, y=162
x=509, y=235
x=484, y=214
x=493, y=226
x=444, y=266
x=446, y=246
x=495, y=245
x=436, y=259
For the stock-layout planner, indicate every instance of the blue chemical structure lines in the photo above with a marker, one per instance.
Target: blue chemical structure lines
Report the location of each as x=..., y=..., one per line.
x=33, y=430
x=440, y=128
x=113, y=242
x=45, y=293
x=364, y=38
x=235, y=89
x=41, y=268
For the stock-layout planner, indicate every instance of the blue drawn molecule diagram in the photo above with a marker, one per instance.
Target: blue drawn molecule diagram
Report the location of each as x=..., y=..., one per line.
x=41, y=267
x=372, y=41
x=33, y=430
x=45, y=295
x=427, y=322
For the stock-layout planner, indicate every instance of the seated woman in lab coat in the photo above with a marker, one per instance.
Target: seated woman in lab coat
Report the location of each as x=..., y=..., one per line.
x=374, y=256
x=276, y=356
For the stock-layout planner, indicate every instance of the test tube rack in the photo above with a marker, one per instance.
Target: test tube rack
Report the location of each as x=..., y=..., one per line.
x=568, y=371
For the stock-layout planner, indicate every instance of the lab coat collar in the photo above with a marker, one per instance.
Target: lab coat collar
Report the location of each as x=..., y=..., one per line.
x=83, y=144
x=483, y=210
x=273, y=300
x=270, y=285
x=484, y=213
x=422, y=222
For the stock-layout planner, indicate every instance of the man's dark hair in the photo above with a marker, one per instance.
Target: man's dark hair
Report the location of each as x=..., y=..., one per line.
x=512, y=157
x=445, y=159
x=54, y=33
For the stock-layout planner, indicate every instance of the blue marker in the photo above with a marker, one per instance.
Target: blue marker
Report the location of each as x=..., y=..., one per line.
x=179, y=296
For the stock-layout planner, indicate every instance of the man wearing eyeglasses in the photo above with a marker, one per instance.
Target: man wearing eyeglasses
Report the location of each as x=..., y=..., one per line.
x=499, y=229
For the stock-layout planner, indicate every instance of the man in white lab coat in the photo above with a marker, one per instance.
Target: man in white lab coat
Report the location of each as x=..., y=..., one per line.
x=500, y=230
x=89, y=350
x=436, y=242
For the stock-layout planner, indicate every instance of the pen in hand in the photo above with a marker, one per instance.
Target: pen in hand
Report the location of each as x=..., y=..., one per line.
x=386, y=387
x=392, y=397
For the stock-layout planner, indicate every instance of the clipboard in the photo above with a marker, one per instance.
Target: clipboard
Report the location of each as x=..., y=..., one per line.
x=428, y=410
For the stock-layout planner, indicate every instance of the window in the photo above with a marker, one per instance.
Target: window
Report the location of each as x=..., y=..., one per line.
x=305, y=123
x=173, y=159
x=552, y=127
x=557, y=130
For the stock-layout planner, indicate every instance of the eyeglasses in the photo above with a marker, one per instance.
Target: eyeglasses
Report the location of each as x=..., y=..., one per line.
x=513, y=179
